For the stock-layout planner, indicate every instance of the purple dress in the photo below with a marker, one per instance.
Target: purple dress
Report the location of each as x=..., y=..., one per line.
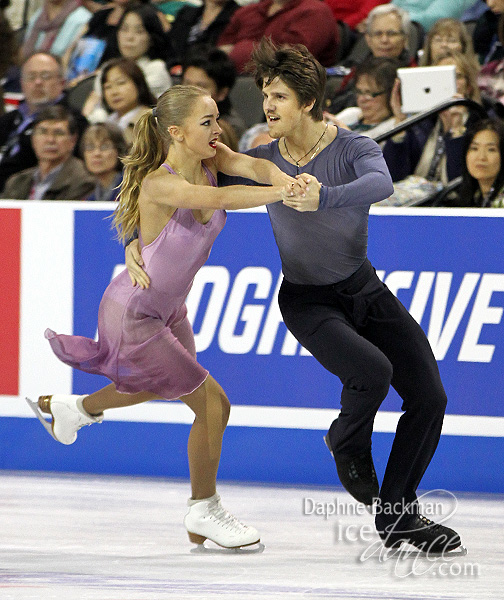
x=145, y=341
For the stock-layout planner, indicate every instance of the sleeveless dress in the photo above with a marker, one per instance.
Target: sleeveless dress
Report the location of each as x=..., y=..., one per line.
x=145, y=341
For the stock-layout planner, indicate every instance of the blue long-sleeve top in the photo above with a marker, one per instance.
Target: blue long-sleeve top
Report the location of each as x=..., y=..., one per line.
x=402, y=157
x=328, y=245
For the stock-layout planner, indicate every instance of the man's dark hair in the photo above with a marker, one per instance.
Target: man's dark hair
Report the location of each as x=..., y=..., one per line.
x=296, y=67
x=57, y=113
x=215, y=62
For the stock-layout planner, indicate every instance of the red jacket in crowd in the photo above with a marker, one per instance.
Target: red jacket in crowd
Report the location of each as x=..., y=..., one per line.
x=308, y=22
x=352, y=12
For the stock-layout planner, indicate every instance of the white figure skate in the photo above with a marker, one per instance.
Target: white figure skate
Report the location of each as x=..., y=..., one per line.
x=208, y=519
x=68, y=416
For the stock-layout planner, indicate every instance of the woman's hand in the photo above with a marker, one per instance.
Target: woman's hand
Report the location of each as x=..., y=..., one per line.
x=306, y=192
x=332, y=120
x=134, y=264
x=453, y=119
x=281, y=178
x=395, y=102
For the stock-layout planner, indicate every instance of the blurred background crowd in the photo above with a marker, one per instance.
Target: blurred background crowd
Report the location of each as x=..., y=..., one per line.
x=76, y=75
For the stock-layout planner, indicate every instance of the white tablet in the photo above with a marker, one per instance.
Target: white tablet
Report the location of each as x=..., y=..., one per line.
x=424, y=87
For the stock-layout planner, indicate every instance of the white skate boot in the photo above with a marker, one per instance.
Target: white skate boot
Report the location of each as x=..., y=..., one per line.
x=68, y=416
x=208, y=519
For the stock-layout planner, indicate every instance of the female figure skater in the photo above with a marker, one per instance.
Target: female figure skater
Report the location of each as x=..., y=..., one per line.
x=146, y=344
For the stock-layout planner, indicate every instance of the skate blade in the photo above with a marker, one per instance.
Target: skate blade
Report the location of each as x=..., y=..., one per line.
x=40, y=416
x=326, y=441
x=405, y=553
x=253, y=549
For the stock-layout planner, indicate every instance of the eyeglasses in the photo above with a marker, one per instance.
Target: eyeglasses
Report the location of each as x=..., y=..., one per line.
x=105, y=147
x=44, y=75
x=440, y=39
x=389, y=34
x=57, y=133
x=368, y=93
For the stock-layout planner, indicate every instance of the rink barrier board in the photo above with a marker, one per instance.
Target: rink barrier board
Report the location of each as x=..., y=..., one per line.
x=284, y=400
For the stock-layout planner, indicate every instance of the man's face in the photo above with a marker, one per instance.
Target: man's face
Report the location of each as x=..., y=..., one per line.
x=41, y=81
x=53, y=142
x=386, y=38
x=282, y=109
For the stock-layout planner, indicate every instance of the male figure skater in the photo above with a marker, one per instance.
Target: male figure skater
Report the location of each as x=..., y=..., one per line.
x=335, y=305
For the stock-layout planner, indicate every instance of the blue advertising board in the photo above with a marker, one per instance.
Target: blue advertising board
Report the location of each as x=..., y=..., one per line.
x=447, y=270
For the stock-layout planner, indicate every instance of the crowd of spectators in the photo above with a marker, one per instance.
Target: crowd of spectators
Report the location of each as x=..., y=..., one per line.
x=77, y=75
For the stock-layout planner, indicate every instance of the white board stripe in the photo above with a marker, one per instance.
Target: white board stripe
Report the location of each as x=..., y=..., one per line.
x=276, y=417
x=47, y=243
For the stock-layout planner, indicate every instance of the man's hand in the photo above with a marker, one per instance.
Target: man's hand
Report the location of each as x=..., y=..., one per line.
x=306, y=194
x=134, y=263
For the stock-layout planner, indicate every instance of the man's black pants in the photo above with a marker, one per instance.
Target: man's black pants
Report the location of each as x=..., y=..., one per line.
x=358, y=330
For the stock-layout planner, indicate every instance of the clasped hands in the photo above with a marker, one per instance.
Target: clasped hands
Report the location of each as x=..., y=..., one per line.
x=302, y=194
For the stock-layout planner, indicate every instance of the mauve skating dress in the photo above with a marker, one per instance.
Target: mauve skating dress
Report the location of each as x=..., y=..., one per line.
x=145, y=341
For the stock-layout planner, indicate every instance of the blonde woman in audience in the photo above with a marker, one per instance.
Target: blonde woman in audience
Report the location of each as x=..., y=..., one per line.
x=447, y=35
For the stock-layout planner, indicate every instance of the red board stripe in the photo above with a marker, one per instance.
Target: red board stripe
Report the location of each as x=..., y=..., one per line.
x=10, y=253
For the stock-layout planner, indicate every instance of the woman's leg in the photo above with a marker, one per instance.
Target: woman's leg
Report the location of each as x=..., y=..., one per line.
x=109, y=397
x=211, y=408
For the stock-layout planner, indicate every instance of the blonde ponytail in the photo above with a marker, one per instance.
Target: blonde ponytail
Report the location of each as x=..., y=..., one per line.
x=150, y=147
x=146, y=155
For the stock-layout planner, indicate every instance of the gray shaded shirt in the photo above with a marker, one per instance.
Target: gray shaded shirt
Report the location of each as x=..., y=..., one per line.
x=328, y=245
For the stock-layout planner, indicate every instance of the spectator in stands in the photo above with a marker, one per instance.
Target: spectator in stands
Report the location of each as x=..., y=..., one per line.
x=102, y=147
x=374, y=81
x=213, y=70
x=486, y=33
x=58, y=175
x=9, y=54
x=427, y=12
x=42, y=84
x=54, y=27
x=447, y=35
x=307, y=22
x=353, y=12
x=196, y=25
x=141, y=38
x=483, y=175
x=491, y=78
x=387, y=35
x=433, y=148
x=126, y=95
x=103, y=25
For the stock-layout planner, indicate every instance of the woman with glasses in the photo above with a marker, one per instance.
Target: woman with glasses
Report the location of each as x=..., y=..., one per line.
x=372, y=114
x=101, y=147
x=447, y=35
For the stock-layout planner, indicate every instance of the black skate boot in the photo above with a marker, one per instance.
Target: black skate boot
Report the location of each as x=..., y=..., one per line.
x=357, y=475
x=429, y=537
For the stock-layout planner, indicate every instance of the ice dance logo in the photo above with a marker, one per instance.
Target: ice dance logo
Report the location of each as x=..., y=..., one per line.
x=408, y=560
x=337, y=508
